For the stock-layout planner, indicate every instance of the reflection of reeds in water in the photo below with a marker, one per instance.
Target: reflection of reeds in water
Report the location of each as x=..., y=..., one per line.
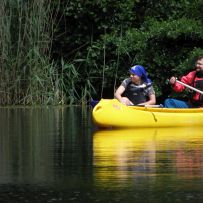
x=121, y=155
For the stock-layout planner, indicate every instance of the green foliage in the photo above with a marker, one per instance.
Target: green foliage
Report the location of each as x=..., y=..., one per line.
x=68, y=52
x=163, y=36
x=27, y=75
x=163, y=47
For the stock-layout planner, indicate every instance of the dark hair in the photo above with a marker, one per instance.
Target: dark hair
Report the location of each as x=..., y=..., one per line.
x=199, y=58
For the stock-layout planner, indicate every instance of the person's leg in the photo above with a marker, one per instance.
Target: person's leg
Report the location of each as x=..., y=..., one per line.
x=174, y=103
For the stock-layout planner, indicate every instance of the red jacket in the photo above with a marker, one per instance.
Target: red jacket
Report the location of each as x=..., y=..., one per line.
x=193, y=80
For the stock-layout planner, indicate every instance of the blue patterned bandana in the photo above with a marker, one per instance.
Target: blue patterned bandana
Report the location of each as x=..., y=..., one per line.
x=140, y=72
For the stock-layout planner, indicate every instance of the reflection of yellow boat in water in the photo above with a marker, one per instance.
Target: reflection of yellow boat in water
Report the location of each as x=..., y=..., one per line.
x=121, y=154
x=138, y=137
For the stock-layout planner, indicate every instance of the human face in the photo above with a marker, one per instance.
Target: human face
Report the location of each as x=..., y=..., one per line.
x=136, y=79
x=199, y=65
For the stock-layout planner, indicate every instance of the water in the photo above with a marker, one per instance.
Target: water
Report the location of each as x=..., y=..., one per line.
x=51, y=154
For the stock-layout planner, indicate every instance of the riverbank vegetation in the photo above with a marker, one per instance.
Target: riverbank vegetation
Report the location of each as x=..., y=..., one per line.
x=68, y=52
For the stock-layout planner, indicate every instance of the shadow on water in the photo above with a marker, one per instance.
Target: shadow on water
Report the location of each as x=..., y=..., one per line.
x=57, y=155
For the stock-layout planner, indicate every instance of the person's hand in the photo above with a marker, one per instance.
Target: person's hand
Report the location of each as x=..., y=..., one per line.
x=126, y=101
x=172, y=80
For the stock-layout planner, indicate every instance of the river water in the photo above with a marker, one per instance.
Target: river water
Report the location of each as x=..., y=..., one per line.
x=57, y=154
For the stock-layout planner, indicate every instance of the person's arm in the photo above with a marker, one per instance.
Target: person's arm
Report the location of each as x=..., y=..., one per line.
x=123, y=100
x=151, y=101
x=176, y=86
x=187, y=79
x=119, y=92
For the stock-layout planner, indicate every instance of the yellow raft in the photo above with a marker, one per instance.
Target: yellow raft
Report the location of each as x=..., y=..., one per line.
x=112, y=113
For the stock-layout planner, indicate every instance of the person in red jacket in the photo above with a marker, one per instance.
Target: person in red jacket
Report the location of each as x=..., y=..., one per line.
x=194, y=79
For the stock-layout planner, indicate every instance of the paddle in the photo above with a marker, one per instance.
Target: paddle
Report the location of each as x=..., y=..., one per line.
x=150, y=105
x=190, y=87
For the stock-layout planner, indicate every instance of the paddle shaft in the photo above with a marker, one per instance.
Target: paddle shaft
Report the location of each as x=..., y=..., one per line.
x=150, y=105
x=190, y=87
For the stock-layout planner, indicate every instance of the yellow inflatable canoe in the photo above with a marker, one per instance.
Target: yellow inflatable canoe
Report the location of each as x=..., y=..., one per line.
x=111, y=113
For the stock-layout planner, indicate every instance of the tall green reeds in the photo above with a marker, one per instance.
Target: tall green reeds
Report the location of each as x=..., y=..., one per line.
x=26, y=32
x=28, y=75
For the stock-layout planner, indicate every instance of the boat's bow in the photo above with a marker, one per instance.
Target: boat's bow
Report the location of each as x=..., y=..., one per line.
x=110, y=112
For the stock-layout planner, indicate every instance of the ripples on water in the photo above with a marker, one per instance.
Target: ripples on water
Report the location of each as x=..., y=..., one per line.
x=58, y=155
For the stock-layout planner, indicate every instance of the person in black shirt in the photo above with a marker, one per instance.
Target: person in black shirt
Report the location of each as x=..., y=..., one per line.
x=137, y=89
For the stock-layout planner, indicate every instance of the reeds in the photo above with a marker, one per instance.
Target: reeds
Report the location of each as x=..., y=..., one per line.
x=28, y=76
x=26, y=32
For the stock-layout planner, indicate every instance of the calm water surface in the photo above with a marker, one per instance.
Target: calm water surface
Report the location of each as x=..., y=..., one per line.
x=57, y=155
